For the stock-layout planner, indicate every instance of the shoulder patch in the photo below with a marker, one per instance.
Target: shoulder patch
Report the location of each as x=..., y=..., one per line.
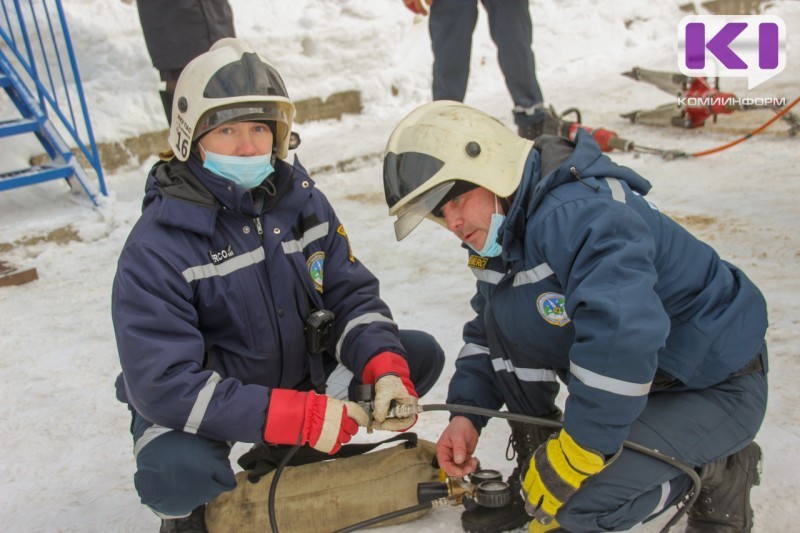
x=340, y=230
x=315, y=268
x=551, y=307
x=476, y=261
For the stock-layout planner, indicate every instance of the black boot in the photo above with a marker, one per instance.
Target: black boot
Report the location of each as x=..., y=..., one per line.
x=524, y=440
x=544, y=121
x=724, y=502
x=194, y=523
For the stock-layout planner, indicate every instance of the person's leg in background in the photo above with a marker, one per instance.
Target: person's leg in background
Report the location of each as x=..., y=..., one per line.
x=512, y=32
x=451, y=25
x=177, y=31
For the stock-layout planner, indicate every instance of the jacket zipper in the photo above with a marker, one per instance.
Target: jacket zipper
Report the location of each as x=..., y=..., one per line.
x=259, y=228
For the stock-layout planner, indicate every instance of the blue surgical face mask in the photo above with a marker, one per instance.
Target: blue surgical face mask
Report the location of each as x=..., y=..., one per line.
x=492, y=248
x=248, y=172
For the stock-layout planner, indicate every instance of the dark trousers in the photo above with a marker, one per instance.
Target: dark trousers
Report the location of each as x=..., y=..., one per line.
x=177, y=471
x=452, y=23
x=697, y=427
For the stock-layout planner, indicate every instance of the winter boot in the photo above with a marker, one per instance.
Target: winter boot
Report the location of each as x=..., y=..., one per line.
x=543, y=121
x=194, y=523
x=524, y=440
x=723, y=505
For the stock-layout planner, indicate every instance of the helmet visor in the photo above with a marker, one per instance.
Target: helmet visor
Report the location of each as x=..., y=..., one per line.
x=238, y=113
x=406, y=174
x=411, y=214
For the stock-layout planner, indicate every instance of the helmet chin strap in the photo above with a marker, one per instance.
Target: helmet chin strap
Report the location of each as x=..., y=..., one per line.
x=504, y=203
x=273, y=126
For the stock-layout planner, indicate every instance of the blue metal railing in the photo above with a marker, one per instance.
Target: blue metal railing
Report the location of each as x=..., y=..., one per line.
x=39, y=72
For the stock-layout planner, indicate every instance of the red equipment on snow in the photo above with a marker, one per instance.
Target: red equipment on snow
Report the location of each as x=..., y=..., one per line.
x=695, y=102
x=607, y=139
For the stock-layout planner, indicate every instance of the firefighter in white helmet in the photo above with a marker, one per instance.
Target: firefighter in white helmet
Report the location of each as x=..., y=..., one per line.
x=241, y=312
x=582, y=281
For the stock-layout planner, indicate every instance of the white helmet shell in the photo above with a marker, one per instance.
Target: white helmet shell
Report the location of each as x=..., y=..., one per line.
x=439, y=144
x=229, y=83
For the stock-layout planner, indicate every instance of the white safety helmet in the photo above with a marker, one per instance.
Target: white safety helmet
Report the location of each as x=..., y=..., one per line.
x=229, y=83
x=444, y=148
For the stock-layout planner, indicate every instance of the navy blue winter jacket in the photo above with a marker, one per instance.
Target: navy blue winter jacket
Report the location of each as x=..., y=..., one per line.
x=212, y=291
x=599, y=288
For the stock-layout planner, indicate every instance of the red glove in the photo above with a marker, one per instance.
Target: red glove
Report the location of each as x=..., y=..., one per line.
x=392, y=379
x=324, y=423
x=416, y=6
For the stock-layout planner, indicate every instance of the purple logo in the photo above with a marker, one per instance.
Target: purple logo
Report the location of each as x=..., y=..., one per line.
x=752, y=46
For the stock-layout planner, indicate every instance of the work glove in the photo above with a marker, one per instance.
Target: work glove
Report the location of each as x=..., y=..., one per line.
x=322, y=422
x=557, y=470
x=392, y=379
x=416, y=6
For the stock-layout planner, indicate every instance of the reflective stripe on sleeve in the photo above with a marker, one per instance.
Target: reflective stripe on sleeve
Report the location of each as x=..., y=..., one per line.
x=605, y=383
x=617, y=192
x=201, y=404
x=338, y=383
x=524, y=374
x=311, y=235
x=367, y=318
x=472, y=349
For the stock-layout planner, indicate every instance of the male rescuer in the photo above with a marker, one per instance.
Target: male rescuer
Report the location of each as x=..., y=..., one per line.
x=240, y=311
x=581, y=279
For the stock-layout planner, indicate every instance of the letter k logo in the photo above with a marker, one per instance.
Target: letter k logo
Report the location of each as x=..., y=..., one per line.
x=719, y=45
x=732, y=46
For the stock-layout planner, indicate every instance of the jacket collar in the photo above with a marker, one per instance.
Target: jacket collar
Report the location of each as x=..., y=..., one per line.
x=553, y=162
x=191, y=196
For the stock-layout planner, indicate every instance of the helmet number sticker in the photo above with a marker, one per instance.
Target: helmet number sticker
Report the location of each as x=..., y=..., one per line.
x=183, y=145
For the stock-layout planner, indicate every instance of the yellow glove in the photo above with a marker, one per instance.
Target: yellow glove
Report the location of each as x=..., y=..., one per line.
x=536, y=527
x=557, y=470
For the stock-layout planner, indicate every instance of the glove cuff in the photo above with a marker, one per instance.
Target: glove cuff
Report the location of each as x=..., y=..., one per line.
x=385, y=363
x=583, y=460
x=285, y=417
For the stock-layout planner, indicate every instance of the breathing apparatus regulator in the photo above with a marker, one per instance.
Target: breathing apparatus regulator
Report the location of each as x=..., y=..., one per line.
x=483, y=487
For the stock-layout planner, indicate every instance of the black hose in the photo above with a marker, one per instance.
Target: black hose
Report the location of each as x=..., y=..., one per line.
x=388, y=516
x=273, y=521
x=469, y=409
x=553, y=424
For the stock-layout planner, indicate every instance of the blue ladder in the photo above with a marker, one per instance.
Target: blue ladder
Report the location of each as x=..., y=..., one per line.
x=21, y=77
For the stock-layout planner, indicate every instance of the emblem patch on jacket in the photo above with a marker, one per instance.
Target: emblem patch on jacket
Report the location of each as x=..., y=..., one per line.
x=551, y=307
x=220, y=256
x=476, y=261
x=315, y=264
x=340, y=230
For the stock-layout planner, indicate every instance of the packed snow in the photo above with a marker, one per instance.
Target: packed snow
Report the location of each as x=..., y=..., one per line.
x=66, y=450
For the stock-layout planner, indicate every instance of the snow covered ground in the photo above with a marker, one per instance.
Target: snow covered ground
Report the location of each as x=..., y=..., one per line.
x=66, y=450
